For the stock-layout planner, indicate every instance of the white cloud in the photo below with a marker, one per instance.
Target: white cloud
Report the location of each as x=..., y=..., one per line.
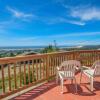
x=67, y=35
x=19, y=14
x=86, y=14
x=59, y=1
x=80, y=42
x=64, y=20
x=73, y=34
x=62, y=39
x=71, y=21
x=18, y=41
x=81, y=23
x=25, y=39
x=5, y=25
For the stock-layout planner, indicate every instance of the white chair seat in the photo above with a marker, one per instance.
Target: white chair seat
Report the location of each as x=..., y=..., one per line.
x=92, y=72
x=66, y=74
x=89, y=72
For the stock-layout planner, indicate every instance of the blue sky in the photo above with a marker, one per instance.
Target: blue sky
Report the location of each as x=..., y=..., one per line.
x=40, y=22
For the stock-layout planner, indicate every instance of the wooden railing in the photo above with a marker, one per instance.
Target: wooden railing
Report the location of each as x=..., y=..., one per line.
x=19, y=73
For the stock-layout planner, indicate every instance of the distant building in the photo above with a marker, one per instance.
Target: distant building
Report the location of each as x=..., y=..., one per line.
x=62, y=51
x=28, y=53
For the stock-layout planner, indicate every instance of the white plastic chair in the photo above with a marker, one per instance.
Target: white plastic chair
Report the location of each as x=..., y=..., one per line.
x=67, y=71
x=92, y=72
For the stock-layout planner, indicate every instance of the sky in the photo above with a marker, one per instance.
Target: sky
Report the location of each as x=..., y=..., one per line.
x=40, y=22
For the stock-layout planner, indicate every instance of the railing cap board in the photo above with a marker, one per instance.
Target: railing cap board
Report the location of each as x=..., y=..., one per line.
x=39, y=56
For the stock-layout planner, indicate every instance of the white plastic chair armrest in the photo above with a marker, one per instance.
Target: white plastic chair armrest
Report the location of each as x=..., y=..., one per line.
x=85, y=67
x=58, y=68
x=61, y=77
x=89, y=72
x=76, y=68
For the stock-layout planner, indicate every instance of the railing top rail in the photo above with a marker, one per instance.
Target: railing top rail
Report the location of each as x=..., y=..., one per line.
x=36, y=56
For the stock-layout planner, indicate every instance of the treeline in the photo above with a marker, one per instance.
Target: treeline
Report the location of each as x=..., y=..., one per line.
x=10, y=53
x=49, y=49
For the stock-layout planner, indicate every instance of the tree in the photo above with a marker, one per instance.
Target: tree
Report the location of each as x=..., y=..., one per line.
x=49, y=49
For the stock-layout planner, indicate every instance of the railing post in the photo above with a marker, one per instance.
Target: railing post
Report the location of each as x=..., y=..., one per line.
x=77, y=55
x=3, y=80
x=74, y=55
x=9, y=77
x=15, y=82
x=47, y=67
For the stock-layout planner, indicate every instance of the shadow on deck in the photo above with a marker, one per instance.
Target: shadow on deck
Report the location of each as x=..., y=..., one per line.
x=51, y=91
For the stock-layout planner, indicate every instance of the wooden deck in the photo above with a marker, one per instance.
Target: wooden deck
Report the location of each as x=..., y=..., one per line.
x=51, y=91
x=20, y=73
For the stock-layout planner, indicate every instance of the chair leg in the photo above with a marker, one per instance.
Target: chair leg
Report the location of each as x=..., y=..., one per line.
x=91, y=83
x=81, y=76
x=62, y=86
x=57, y=78
x=71, y=81
x=75, y=85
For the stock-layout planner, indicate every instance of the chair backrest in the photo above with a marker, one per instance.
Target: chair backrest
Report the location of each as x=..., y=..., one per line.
x=96, y=66
x=69, y=67
x=69, y=63
x=97, y=62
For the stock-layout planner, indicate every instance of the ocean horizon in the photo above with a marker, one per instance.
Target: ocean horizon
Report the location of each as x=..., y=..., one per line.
x=27, y=47
x=41, y=47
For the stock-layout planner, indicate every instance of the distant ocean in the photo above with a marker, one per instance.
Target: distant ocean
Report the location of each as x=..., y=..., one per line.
x=26, y=47
x=22, y=47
